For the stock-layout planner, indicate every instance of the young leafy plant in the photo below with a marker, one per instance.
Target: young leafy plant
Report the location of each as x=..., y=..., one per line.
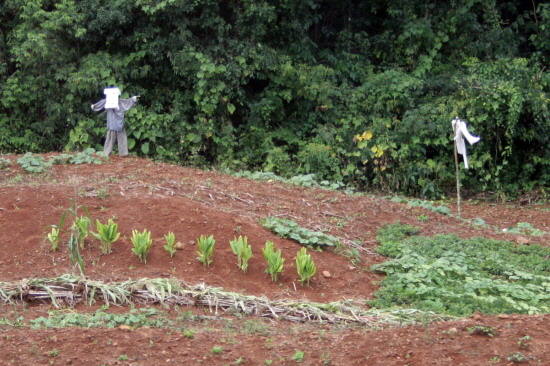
x=170, y=246
x=142, y=243
x=74, y=250
x=53, y=237
x=81, y=225
x=242, y=250
x=33, y=163
x=206, y=249
x=55, y=234
x=274, y=259
x=305, y=266
x=108, y=234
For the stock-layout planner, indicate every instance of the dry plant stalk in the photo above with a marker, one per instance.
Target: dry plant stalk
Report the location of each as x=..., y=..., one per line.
x=72, y=289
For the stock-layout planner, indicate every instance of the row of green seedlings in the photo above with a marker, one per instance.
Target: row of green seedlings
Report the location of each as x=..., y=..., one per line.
x=107, y=234
x=142, y=243
x=305, y=266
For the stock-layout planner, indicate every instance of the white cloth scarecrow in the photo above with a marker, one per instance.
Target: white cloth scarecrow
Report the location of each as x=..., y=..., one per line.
x=115, y=109
x=461, y=131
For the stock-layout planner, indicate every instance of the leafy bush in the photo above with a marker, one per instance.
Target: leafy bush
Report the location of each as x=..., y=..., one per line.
x=170, y=246
x=242, y=250
x=305, y=266
x=274, y=259
x=458, y=276
x=108, y=234
x=205, y=247
x=142, y=243
x=290, y=229
x=319, y=159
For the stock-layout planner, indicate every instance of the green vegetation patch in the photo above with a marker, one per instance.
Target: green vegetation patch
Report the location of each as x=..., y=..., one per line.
x=290, y=229
x=38, y=164
x=424, y=204
x=100, y=318
x=457, y=276
x=4, y=163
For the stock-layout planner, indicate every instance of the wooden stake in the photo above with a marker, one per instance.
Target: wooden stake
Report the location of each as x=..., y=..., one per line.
x=457, y=179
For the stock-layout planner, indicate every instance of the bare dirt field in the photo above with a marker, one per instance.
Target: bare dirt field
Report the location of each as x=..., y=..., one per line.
x=143, y=194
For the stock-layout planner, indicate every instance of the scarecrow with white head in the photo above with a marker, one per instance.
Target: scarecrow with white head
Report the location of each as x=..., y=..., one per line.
x=115, y=109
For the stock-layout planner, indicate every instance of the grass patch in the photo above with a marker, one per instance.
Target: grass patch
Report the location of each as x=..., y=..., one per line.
x=456, y=276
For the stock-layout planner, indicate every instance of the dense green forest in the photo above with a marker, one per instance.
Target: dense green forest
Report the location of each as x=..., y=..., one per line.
x=356, y=91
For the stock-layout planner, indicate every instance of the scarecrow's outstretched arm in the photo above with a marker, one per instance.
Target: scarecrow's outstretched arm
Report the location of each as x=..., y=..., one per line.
x=99, y=105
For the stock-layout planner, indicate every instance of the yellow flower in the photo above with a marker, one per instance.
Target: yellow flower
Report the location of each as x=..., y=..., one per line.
x=367, y=135
x=378, y=152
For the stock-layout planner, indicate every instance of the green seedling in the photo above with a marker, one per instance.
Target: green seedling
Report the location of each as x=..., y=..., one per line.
x=305, y=266
x=517, y=357
x=298, y=356
x=74, y=250
x=217, y=350
x=81, y=224
x=53, y=237
x=170, y=246
x=142, y=243
x=206, y=249
x=423, y=218
x=481, y=329
x=242, y=250
x=524, y=342
x=274, y=259
x=108, y=234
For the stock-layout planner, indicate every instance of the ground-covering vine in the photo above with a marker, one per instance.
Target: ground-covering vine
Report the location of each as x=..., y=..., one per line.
x=457, y=276
x=33, y=163
x=142, y=317
x=290, y=229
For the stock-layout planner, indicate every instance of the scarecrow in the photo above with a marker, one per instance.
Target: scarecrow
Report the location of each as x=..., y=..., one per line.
x=460, y=131
x=115, y=109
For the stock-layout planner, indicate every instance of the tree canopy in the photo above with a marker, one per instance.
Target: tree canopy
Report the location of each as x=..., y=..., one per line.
x=358, y=91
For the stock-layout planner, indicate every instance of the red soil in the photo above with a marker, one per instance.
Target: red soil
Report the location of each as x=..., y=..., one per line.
x=142, y=194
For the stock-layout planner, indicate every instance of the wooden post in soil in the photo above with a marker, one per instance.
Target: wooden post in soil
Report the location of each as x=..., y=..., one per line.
x=457, y=170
